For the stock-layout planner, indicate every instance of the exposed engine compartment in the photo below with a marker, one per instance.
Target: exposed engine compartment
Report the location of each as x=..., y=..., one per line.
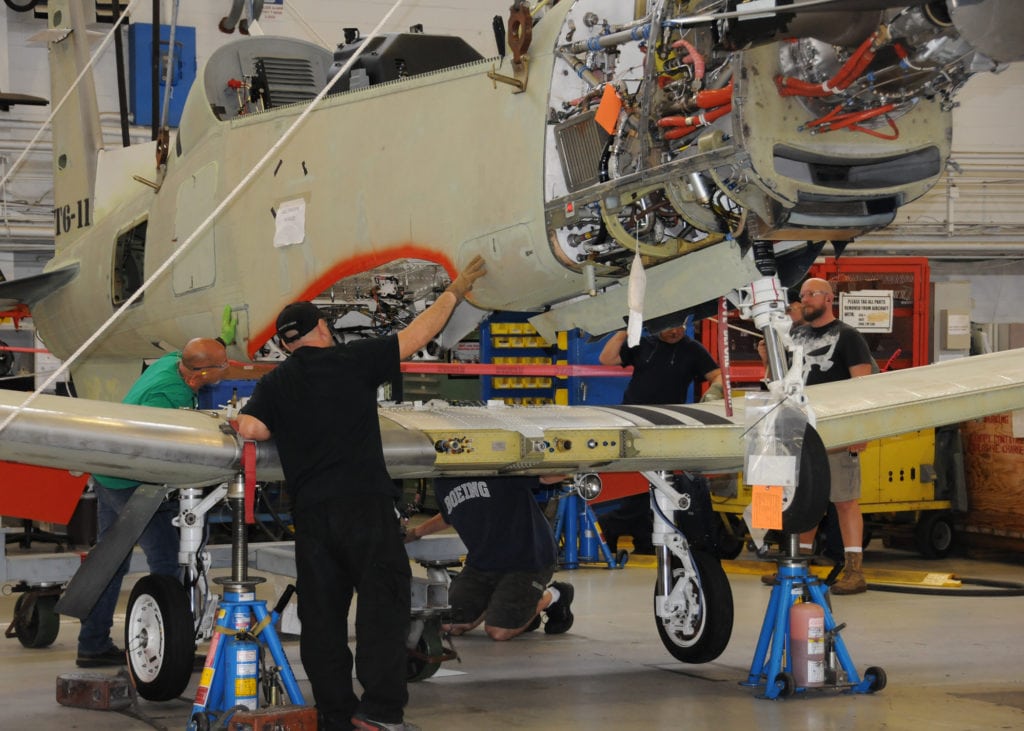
x=716, y=121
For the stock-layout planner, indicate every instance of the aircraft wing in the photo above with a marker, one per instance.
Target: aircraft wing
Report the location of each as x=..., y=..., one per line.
x=194, y=448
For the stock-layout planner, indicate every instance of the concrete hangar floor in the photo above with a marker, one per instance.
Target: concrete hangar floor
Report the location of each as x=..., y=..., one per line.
x=952, y=663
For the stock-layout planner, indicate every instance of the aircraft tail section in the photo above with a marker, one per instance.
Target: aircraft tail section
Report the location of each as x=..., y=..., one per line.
x=77, y=137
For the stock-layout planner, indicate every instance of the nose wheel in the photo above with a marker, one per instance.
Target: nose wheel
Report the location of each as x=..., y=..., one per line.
x=160, y=637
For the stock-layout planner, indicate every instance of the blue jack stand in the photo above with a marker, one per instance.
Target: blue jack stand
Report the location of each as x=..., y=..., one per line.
x=579, y=534
x=768, y=668
x=234, y=671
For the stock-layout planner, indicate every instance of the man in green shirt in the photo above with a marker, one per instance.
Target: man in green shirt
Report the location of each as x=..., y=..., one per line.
x=169, y=383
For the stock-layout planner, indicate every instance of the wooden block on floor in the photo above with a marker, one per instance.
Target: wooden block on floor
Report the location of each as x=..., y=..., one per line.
x=275, y=718
x=95, y=691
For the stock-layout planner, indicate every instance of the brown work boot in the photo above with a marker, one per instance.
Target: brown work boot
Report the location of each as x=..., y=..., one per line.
x=852, y=581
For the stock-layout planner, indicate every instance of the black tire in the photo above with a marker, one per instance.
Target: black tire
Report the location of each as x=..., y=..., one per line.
x=878, y=679
x=934, y=534
x=430, y=645
x=159, y=637
x=729, y=546
x=786, y=684
x=810, y=499
x=36, y=624
x=702, y=633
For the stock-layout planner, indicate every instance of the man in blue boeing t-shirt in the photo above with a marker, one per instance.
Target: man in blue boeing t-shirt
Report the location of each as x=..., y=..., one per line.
x=510, y=559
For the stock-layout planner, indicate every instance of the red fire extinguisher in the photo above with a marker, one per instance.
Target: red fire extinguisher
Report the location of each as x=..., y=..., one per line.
x=807, y=644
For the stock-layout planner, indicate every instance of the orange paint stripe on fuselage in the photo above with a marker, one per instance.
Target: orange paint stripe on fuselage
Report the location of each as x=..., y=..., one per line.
x=356, y=265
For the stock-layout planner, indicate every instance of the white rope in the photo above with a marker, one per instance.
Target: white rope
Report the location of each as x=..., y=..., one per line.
x=205, y=224
x=71, y=89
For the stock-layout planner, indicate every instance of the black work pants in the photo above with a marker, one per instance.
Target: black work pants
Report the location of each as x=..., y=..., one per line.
x=346, y=544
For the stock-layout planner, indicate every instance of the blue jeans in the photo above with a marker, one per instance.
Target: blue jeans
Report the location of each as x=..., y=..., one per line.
x=159, y=541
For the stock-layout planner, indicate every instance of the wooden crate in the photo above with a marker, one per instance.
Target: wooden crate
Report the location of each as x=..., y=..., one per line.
x=994, y=467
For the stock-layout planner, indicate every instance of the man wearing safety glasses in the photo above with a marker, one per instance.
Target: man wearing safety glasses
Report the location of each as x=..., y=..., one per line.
x=835, y=351
x=169, y=383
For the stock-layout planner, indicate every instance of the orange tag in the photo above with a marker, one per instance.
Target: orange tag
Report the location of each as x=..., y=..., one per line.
x=608, y=110
x=766, y=506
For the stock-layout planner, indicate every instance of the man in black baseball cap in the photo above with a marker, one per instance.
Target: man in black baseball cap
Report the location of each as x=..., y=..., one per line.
x=296, y=320
x=320, y=405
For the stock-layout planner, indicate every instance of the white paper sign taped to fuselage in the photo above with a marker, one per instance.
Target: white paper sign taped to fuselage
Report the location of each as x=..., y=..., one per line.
x=290, y=223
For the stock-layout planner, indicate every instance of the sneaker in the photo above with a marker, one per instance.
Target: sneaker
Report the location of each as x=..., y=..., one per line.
x=560, y=613
x=362, y=723
x=113, y=656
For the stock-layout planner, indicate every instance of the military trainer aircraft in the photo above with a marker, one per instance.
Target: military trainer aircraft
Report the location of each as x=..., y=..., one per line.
x=717, y=145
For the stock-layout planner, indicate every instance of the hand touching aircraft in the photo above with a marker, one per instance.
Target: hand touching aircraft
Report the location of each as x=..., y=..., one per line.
x=718, y=144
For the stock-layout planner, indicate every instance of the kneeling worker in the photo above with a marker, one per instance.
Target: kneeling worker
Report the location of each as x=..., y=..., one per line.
x=511, y=556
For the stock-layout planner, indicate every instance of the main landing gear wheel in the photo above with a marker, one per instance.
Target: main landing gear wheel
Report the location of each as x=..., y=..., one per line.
x=160, y=637
x=36, y=624
x=810, y=499
x=421, y=665
x=700, y=629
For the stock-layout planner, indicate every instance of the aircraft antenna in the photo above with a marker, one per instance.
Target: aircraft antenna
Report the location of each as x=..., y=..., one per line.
x=498, y=25
x=170, y=65
x=271, y=153
x=163, y=137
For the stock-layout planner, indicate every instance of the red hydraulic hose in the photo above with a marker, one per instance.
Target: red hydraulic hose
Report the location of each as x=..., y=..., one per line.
x=846, y=120
x=711, y=98
x=855, y=65
x=682, y=126
x=695, y=58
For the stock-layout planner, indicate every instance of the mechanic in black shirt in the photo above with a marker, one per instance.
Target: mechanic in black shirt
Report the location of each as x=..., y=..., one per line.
x=664, y=366
x=835, y=351
x=320, y=406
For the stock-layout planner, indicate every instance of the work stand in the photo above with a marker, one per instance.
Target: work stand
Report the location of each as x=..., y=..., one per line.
x=235, y=668
x=772, y=666
x=579, y=535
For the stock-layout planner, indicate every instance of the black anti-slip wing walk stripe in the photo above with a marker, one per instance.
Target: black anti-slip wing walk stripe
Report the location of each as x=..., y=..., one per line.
x=658, y=417
x=696, y=414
